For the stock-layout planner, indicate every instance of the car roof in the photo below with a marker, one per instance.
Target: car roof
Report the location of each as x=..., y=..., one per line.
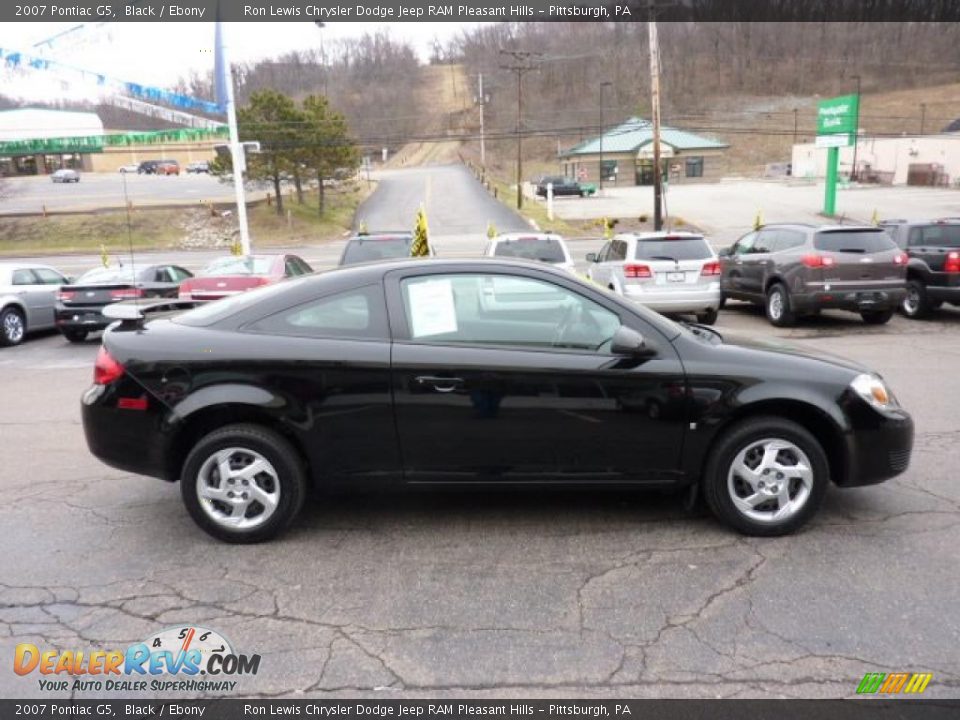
x=382, y=234
x=517, y=235
x=657, y=235
x=834, y=227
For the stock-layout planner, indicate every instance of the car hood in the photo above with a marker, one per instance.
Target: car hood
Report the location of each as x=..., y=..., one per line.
x=788, y=352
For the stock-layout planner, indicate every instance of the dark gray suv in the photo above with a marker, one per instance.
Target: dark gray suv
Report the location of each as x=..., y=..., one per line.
x=796, y=269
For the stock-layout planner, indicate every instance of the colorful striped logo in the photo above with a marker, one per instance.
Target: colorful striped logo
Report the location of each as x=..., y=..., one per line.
x=894, y=683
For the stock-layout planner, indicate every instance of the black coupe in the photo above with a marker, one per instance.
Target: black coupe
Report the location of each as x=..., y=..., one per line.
x=456, y=372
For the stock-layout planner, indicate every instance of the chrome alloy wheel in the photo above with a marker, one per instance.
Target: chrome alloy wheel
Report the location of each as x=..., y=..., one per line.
x=776, y=305
x=238, y=488
x=770, y=480
x=13, y=327
x=911, y=303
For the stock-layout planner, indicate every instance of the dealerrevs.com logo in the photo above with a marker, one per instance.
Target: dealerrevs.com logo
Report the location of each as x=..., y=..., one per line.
x=189, y=659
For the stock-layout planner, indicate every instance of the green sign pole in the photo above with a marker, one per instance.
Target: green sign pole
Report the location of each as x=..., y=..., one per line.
x=830, y=195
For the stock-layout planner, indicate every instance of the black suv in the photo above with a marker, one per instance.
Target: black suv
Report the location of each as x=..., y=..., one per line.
x=797, y=269
x=933, y=268
x=562, y=186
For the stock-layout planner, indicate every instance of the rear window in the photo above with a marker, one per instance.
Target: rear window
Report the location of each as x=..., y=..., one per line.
x=216, y=310
x=854, y=241
x=938, y=235
x=249, y=265
x=532, y=248
x=109, y=275
x=694, y=248
x=365, y=249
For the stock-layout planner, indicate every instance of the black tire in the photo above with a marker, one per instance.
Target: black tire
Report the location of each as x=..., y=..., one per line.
x=876, y=317
x=10, y=320
x=782, y=315
x=75, y=336
x=291, y=476
x=708, y=317
x=916, y=305
x=739, y=437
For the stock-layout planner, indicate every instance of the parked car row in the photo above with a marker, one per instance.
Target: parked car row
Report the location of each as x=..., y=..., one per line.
x=37, y=297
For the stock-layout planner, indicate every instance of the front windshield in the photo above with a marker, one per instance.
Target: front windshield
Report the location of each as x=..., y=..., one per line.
x=248, y=265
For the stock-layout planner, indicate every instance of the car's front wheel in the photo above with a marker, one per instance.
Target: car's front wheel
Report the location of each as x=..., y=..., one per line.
x=12, y=327
x=779, y=312
x=243, y=483
x=766, y=476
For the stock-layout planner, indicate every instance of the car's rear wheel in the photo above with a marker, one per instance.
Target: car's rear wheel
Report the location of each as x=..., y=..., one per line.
x=876, y=317
x=916, y=305
x=707, y=317
x=12, y=327
x=75, y=336
x=243, y=483
x=778, y=308
x=766, y=476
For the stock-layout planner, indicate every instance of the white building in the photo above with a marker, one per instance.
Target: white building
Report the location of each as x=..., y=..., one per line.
x=32, y=140
x=913, y=160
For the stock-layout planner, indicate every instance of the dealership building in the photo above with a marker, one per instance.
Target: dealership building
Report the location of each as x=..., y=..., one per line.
x=39, y=141
x=626, y=153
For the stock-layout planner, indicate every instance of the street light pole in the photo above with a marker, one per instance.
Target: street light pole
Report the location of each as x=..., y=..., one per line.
x=604, y=84
x=923, y=116
x=856, y=131
x=236, y=149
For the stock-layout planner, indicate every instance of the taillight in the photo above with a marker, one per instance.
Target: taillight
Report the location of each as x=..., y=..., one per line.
x=710, y=268
x=106, y=370
x=637, y=271
x=952, y=265
x=126, y=293
x=900, y=259
x=818, y=261
x=65, y=295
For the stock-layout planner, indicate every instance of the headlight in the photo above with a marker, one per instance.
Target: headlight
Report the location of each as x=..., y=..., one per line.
x=872, y=389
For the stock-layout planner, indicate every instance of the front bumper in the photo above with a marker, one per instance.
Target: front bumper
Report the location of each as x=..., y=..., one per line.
x=853, y=300
x=878, y=446
x=680, y=301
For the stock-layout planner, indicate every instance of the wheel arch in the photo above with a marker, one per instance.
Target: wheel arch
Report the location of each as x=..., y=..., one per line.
x=204, y=420
x=19, y=307
x=814, y=419
x=775, y=279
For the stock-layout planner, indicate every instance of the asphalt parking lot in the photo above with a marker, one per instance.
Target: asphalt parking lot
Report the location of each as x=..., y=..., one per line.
x=535, y=594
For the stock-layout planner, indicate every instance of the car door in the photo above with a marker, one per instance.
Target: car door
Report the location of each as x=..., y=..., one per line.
x=756, y=263
x=611, y=262
x=506, y=376
x=38, y=297
x=594, y=270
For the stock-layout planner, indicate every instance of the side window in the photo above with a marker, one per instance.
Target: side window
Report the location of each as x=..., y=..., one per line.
x=304, y=268
x=790, y=239
x=356, y=314
x=164, y=275
x=24, y=277
x=618, y=250
x=290, y=268
x=476, y=309
x=916, y=237
x=764, y=242
x=745, y=244
x=178, y=273
x=49, y=277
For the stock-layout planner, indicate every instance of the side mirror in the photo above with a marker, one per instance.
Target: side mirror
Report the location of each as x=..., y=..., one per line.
x=591, y=257
x=629, y=343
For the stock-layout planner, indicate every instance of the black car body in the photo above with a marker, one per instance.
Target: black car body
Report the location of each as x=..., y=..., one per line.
x=470, y=373
x=797, y=269
x=933, y=266
x=561, y=186
x=79, y=308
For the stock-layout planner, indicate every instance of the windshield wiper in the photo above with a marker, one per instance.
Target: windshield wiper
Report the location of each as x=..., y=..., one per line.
x=662, y=257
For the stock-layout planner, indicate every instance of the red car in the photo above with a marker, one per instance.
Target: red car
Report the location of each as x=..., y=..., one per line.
x=234, y=274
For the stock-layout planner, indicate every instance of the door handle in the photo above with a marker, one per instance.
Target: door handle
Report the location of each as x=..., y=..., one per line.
x=440, y=384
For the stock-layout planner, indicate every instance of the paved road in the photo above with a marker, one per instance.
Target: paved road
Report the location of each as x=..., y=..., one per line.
x=546, y=594
x=105, y=190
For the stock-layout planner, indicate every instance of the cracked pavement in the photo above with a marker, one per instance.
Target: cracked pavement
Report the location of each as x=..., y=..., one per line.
x=542, y=593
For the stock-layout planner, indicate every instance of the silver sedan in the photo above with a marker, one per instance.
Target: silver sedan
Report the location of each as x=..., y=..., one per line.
x=28, y=294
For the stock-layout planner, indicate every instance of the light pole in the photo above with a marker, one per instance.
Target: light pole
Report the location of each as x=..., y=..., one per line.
x=604, y=84
x=856, y=131
x=923, y=116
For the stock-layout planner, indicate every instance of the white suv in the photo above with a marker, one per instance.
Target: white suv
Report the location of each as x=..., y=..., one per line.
x=545, y=247
x=670, y=272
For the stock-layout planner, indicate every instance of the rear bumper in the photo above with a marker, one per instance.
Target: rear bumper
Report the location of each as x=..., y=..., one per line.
x=694, y=300
x=879, y=446
x=849, y=299
x=944, y=294
x=80, y=318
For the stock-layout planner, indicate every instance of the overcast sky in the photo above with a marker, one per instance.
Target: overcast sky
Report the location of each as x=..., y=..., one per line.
x=159, y=53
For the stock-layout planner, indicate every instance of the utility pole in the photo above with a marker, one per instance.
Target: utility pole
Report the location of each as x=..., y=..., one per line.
x=655, y=105
x=236, y=149
x=523, y=63
x=604, y=84
x=795, y=126
x=483, y=101
x=923, y=117
x=856, y=132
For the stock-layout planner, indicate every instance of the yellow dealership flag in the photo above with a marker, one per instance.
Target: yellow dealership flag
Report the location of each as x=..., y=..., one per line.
x=421, y=245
